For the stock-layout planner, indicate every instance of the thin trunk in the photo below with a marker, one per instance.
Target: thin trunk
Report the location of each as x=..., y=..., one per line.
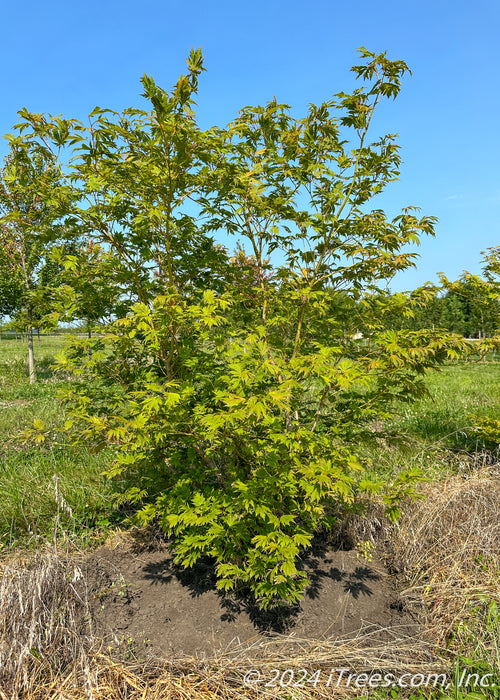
x=31, y=355
x=89, y=334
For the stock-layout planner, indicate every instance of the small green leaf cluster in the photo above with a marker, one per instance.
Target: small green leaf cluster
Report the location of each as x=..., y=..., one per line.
x=487, y=429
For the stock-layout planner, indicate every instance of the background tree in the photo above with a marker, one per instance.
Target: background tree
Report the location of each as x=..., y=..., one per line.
x=491, y=266
x=11, y=286
x=469, y=306
x=478, y=297
x=28, y=210
x=90, y=288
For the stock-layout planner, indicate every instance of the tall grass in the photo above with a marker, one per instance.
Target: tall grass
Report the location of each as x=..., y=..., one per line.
x=457, y=393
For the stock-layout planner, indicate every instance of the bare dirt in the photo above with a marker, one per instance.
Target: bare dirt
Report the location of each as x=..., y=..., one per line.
x=141, y=598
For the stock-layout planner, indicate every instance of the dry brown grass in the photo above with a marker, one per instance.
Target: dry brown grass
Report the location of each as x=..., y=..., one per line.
x=448, y=546
x=44, y=621
x=191, y=679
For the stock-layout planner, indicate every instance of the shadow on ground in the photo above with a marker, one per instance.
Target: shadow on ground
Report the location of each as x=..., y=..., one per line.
x=201, y=579
x=142, y=594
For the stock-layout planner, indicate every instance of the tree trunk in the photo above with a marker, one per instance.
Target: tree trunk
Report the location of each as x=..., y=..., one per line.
x=31, y=355
x=89, y=333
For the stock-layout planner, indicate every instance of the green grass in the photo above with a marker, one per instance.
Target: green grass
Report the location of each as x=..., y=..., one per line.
x=458, y=393
x=436, y=434
x=30, y=508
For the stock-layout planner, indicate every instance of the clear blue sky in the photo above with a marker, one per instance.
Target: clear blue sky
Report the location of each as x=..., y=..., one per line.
x=66, y=57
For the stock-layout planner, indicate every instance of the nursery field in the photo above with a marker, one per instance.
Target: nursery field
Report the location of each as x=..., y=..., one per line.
x=421, y=597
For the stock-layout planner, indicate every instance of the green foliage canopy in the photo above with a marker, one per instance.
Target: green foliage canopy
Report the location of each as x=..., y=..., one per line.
x=235, y=388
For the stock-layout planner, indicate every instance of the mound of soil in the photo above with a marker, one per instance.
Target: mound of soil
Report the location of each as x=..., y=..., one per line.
x=141, y=595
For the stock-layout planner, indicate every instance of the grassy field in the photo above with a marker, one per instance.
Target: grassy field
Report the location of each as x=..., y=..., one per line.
x=29, y=476
x=436, y=434
x=458, y=393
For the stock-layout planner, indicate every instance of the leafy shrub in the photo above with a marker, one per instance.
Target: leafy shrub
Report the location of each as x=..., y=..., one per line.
x=235, y=388
x=240, y=455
